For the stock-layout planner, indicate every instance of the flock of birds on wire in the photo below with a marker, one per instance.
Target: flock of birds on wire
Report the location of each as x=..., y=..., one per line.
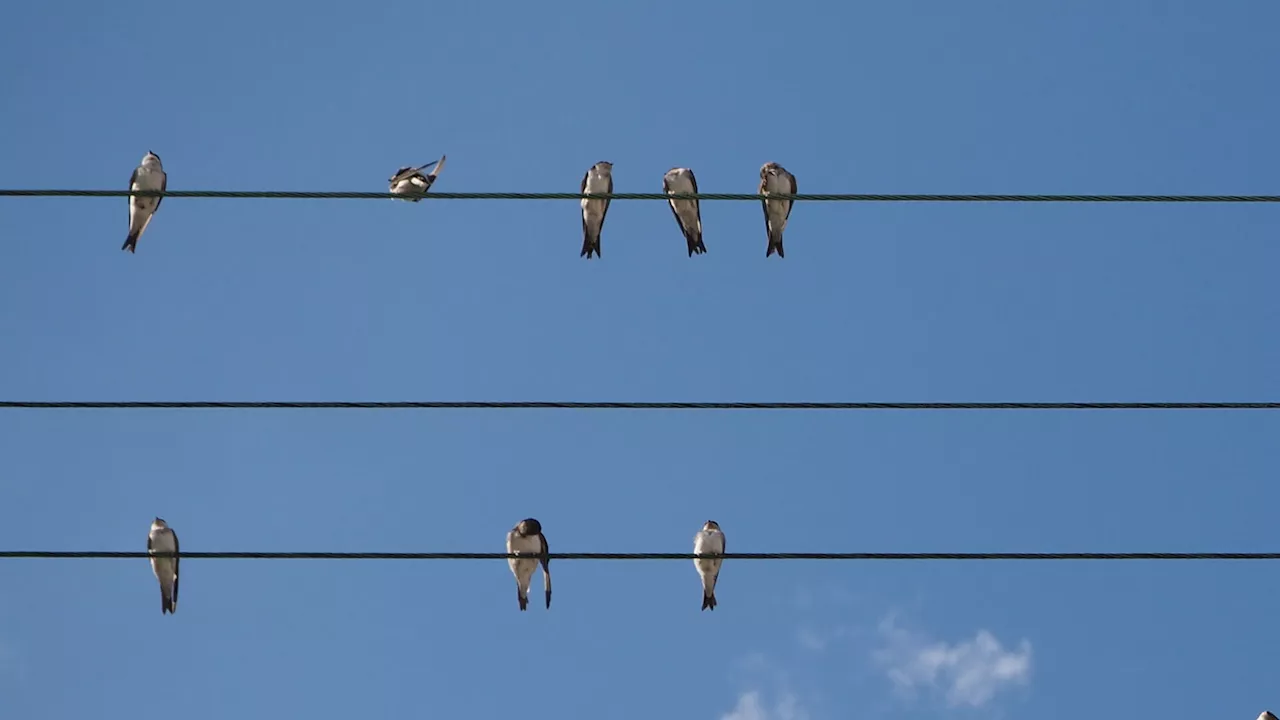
x=412, y=183
x=525, y=539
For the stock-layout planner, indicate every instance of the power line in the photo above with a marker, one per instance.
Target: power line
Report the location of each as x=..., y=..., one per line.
x=843, y=197
x=102, y=554
x=568, y=405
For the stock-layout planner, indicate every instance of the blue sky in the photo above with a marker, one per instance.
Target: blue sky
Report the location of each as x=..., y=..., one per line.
x=488, y=300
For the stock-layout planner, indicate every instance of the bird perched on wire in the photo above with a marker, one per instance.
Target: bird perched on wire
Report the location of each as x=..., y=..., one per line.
x=709, y=541
x=599, y=179
x=688, y=215
x=775, y=179
x=526, y=538
x=149, y=175
x=411, y=181
x=162, y=539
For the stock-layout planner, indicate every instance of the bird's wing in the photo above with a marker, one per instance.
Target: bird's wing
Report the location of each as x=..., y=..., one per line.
x=176, y=559
x=546, y=567
x=439, y=166
x=697, y=206
x=791, y=203
x=132, y=179
x=164, y=183
x=605, y=212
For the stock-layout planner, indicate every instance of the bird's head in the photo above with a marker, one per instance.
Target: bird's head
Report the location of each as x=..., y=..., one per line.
x=767, y=168
x=604, y=166
x=711, y=525
x=151, y=159
x=528, y=527
x=159, y=523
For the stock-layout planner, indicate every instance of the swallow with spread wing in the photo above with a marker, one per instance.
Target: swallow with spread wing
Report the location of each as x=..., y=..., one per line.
x=411, y=181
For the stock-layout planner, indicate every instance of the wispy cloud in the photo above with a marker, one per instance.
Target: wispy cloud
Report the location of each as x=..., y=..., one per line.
x=810, y=640
x=767, y=691
x=819, y=639
x=968, y=673
x=751, y=707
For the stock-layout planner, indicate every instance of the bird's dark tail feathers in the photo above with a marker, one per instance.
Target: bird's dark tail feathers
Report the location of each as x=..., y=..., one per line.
x=775, y=245
x=131, y=243
x=696, y=246
x=524, y=601
x=709, y=601
x=589, y=246
x=167, y=604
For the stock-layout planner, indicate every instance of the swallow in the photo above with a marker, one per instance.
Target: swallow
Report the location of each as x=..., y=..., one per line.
x=688, y=214
x=599, y=179
x=162, y=539
x=526, y=538
x=1266, y=715
x=775, y=179
x=708, y=541
x=411, y=181
x=147, y=176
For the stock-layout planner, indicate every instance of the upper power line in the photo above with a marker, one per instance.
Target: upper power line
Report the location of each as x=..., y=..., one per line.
x=112, y=554
x=571, y=405
x=777, y=192
x=801, y=197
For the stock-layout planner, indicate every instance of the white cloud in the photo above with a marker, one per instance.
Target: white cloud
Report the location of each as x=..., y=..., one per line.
x=969, y=673
x=819, y=639
x=750, y=707
x=811, y=640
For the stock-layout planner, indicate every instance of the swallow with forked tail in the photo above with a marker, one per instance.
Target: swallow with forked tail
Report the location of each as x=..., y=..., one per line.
x=526, y=538
x=599, y=179
x=688, y=214
x=149, y=175
x=162, y=539
x=775, y=179
x=709, y=541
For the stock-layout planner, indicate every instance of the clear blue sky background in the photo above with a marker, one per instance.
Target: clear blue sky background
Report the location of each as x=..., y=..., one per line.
x=488, y=300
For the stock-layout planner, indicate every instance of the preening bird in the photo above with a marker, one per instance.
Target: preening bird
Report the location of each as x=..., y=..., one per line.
x=526, y=538
x=775, y=179
x=411, y=181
